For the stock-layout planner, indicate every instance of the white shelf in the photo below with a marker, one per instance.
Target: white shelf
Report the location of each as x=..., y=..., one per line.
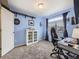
x=31, y=36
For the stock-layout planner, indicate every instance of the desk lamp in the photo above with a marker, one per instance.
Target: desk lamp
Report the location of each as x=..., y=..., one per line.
x=75, y=34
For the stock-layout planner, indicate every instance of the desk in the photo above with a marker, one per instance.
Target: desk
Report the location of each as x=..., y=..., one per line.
x=64, y=45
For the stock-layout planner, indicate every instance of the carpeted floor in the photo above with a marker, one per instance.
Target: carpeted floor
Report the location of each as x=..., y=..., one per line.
x=40, y=50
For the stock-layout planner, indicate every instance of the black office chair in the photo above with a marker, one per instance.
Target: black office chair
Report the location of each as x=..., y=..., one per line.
x=56, y=51
x=54, y=40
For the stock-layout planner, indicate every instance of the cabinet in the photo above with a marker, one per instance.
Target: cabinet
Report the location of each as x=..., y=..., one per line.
x=6, y=31
x=31, y=36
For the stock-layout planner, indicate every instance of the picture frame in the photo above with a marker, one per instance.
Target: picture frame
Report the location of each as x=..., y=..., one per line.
x=16, y=21
x=31, y=22
x=73, y=20
x=40, y=24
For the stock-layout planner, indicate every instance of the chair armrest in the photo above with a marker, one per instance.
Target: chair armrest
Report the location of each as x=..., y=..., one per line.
x=62, y=38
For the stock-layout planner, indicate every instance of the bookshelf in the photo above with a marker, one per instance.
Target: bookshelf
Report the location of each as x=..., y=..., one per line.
x=31, y=36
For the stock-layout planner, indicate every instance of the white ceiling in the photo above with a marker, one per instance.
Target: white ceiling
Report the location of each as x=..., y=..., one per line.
x=30, y=7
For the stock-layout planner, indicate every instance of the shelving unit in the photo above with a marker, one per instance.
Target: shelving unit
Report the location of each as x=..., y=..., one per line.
x=31, y=36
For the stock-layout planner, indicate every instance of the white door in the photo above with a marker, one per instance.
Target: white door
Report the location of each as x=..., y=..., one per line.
x=7, y=29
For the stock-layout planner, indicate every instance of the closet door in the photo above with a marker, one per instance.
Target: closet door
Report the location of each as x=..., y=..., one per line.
x=7, y=29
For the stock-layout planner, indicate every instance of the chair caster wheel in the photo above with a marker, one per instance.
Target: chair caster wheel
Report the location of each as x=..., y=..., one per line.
x=66, y=57
x=51, y=54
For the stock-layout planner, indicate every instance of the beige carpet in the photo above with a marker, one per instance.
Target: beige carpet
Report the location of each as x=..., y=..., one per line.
x=40, y=50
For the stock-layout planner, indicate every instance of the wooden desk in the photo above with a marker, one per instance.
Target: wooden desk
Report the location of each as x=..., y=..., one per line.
x=64, y=45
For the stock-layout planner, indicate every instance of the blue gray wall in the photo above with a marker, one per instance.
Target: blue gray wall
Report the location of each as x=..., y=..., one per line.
x=20, y=30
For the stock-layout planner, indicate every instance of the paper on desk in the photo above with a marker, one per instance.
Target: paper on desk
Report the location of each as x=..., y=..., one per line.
x=66, y=39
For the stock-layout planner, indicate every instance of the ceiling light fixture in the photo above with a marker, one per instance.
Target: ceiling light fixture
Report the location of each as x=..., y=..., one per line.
x=40, y=4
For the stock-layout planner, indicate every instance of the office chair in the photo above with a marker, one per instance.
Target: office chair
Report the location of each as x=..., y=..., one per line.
x=56, y=51
x=54, y=41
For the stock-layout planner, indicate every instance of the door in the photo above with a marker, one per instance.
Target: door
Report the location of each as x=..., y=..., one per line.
x=7, y=29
